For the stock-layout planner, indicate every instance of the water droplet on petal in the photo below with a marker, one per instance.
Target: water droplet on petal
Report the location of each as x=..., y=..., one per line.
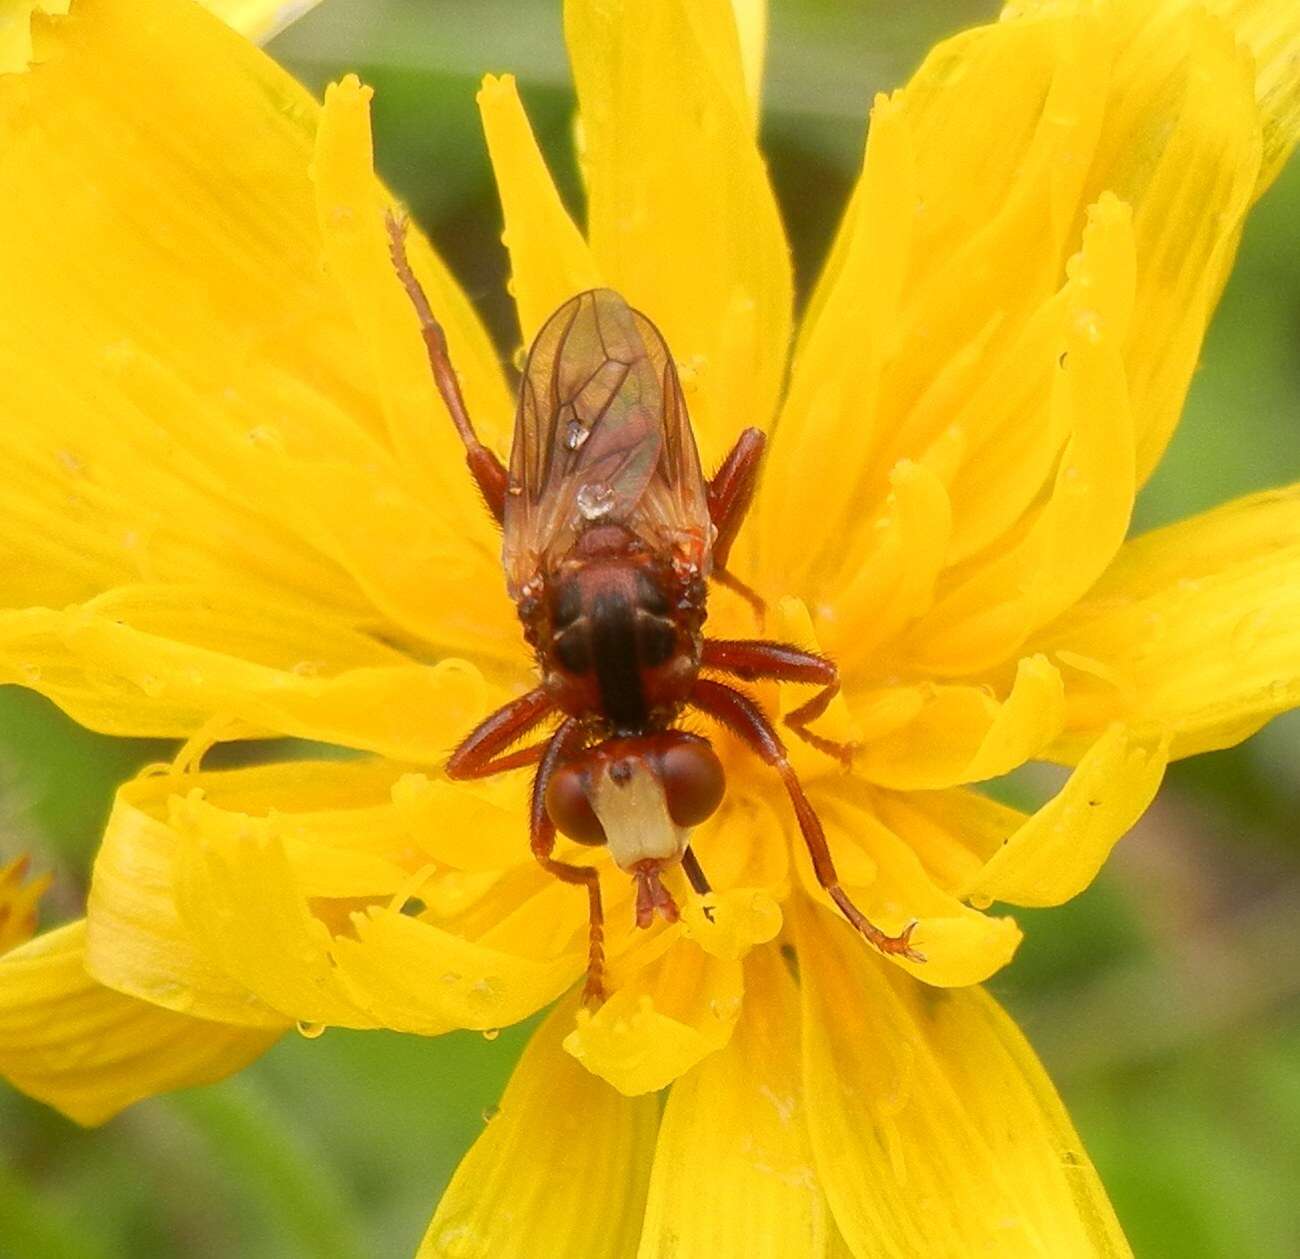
x=491, y=1033
x=490, y=1113
x=575, y=435
x=310, y=1031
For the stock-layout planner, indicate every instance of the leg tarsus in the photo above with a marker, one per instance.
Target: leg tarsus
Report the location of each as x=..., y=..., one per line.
x=799, y=719
x=897, y=946
x=724, y=577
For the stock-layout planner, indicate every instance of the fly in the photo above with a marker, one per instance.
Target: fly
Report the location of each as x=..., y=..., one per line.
x=610, y=536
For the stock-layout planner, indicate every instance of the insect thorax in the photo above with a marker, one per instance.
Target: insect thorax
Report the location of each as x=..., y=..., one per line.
x=617, y=632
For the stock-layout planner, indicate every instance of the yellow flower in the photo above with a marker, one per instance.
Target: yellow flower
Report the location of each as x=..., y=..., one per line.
x=234, y=506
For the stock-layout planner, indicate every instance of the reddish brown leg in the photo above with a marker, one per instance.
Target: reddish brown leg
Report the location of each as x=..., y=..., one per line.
x=479, y=755
x=484, y=466
x=563, y=743
x=730, y=493
x=741, y=715
x=752, y=659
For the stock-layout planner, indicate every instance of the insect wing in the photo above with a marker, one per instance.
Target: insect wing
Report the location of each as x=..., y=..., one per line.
x=602, y=434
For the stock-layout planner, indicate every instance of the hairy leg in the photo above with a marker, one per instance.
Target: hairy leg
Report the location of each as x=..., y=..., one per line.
x=755, y=659
x=730, y=493
x=484, y=466
x=563, y=743
x=480, y=754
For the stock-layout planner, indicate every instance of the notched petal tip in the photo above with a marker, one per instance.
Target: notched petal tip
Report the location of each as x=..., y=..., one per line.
x=349, y=91
x=494, y=87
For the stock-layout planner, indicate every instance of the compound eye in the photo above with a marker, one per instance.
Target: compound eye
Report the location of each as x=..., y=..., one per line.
x=570, y=810
x=693, y=780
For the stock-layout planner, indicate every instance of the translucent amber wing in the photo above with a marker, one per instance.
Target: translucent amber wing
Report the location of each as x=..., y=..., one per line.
x=601, y=435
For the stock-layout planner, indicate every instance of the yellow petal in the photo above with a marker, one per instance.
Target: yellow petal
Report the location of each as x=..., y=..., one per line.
x=895, y=582
x=751, y=27
x=733, y=1171
x=961, y=734
x=189, y=397
x=738, y=846
x=1189, y=204
x=975, y=185
x=260, y=19
x=1194, y=628
x=257, y=895
x=1270, y=29
x=826, y=431
x=886, y=879
x=992, y=609
x=136, y=941
x=165, y=659
x=793, y=623
x=728, y=924
x=251, y=910
x=1058, y=851
x=681, y=218
x=351, y=207
x=19, y=899
x=549, y=260
x=560, y=1168
x=659, y=1023
x=89, y=1051
x=412, y=976
x=935, y=1130
x=17, y=37
x=953, y=832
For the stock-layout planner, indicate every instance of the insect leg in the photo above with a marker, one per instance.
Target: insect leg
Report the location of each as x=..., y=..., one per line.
x=479, y=755
x=752, y=659
x=484, y=466
x=743, y=717
x=566, y=740
x=730, y=493
x=699, y=880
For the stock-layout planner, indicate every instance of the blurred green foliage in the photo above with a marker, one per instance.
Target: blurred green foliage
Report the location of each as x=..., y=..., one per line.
x=1164, y=1000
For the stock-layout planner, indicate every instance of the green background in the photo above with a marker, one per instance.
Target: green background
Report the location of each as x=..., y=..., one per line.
x=1164, y=1000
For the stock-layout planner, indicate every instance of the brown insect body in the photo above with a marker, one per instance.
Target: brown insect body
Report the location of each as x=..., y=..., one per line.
x=610, y=536
x=619, y=635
